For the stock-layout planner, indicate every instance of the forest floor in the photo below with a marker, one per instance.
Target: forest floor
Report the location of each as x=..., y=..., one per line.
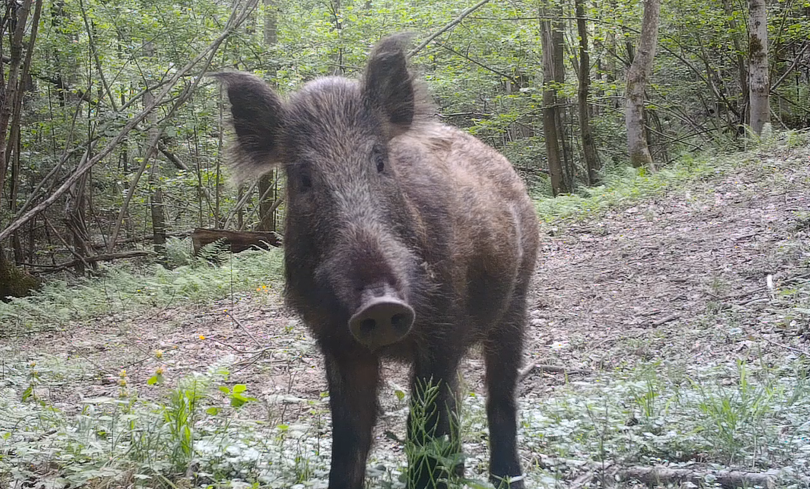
x=670, y=332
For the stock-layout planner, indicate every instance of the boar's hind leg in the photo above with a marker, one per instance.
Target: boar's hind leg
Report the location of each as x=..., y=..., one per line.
x=503, y=352
x=432, y=416
x=353, y=384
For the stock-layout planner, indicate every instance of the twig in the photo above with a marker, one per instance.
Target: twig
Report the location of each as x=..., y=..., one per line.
x=550, y=368
x=665, y=319
x=787, y=347
x=790, y=70
x=654, y=476
x=239, y=323
x=449, y=26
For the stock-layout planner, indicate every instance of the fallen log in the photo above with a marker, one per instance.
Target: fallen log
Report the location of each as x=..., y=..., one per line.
x=91, y=259
x=237, y=241
x=728, y=479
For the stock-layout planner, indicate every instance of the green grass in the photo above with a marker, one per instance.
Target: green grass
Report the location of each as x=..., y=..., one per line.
x=122, y=289
x=623, y=185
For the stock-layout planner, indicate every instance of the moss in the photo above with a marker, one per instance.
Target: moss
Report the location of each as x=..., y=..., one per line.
x=15, y=282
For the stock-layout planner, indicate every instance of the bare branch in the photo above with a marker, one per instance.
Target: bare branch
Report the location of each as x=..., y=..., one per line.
x=449, y=26
x=237, y=18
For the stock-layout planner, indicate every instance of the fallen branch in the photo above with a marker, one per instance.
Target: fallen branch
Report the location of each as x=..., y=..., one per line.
x=654, y=476
x=552, y=369
x=93, y=259
x=666, y=319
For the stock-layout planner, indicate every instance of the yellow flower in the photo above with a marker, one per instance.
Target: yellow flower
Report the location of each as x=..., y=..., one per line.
x=158, y=353
x=159, y=370
x=202, y=337
x=32, y=364
x=122, y=382
x=122, y=373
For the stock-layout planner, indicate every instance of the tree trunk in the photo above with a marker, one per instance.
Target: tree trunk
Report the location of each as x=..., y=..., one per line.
x=9, y=91
x=637, y=78
x=560, y=113
x=592, y=163
x=156, y=206
x=75, y=219
x=266, y=221
x=742, y=71
x=759, y=85
x=560, y=184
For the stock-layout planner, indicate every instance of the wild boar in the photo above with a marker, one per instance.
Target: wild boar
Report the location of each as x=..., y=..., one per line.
x=405, y=239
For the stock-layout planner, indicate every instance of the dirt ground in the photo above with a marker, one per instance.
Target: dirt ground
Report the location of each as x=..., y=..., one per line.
x=632, y=286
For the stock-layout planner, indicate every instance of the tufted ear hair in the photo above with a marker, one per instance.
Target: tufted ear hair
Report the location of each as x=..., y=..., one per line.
x=257, y=118
x=388, y=85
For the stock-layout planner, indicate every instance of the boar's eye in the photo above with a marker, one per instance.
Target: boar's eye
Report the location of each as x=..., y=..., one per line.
x=379, y=158
x=306, y=182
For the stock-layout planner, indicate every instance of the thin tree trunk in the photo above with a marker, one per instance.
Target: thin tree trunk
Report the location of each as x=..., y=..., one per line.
x=156, y=207
x=10, y=98
x=592, y=163
x=551, y=119
x=266, y=221
x=76, y=221
x=560, y=107
x=637, y=78
x=10, y=90
x=742, y=71
x=759, y=85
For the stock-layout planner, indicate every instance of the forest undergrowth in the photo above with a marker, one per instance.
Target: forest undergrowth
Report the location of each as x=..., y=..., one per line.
x=668, y=343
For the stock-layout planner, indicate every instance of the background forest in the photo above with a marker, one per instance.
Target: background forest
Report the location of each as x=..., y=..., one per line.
x=664, y=143
x=114, y=138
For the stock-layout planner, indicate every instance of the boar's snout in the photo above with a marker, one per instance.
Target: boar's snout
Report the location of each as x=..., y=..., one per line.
x=383, y=318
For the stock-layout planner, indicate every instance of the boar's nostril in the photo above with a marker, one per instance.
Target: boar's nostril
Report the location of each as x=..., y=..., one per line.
x=368, y=325
x=400, y=321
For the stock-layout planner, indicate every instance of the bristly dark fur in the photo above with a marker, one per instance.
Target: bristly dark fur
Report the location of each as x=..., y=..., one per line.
x=259, y=129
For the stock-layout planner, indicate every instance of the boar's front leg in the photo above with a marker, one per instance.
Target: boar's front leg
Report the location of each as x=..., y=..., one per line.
x=503, y=352
x=353, y=380
x=433, y=428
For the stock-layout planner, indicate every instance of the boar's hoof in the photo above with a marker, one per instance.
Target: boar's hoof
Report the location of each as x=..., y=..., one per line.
x=381, y=321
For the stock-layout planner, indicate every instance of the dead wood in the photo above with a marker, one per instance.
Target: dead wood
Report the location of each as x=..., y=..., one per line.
x=552, y=369
x=653, y=476
x=91, y=259
x=237, y=241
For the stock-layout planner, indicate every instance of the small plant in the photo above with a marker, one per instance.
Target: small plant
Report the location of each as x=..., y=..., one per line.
x=236, y=395
x=431, y=458
x=734, y=416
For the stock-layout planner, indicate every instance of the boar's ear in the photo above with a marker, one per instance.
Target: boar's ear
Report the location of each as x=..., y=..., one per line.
x=388, y=85
x=257, y=115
